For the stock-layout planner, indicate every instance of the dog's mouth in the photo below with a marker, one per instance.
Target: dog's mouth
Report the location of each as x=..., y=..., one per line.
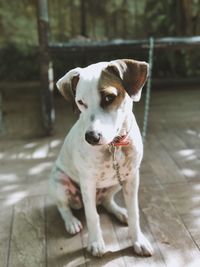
x=121, y=140
x=97, y=139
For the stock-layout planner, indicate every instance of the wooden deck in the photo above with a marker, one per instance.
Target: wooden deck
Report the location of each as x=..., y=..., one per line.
x=32, y=233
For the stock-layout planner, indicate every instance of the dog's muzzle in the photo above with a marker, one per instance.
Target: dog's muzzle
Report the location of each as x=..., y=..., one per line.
x=92, y=137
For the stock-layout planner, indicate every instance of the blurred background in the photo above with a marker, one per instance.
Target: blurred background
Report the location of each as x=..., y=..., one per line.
x=84, y=22
x=89, y=20
x=38, y=46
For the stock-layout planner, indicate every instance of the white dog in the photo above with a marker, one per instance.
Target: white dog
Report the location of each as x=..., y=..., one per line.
x=103, y=150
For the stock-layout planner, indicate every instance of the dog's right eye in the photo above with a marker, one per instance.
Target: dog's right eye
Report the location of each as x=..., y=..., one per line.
x=110, y=98
x=80, y=102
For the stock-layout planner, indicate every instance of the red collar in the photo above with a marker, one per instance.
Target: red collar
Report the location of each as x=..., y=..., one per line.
x=120, y=141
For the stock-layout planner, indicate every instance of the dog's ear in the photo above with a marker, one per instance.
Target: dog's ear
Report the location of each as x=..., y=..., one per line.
x=68, y=83
x=132, y=73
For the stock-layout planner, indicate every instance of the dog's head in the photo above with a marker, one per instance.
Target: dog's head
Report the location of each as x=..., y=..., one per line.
x=104, y=93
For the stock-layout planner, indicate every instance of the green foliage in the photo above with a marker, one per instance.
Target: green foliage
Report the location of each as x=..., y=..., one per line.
x=105, y=19
x=19, y=64
x=18, y=22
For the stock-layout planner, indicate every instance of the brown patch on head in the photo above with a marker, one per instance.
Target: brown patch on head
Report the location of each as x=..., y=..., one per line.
x=74, y=83
x=68, y=90
x=131, y=74
x=67, y=86
x=111, y=90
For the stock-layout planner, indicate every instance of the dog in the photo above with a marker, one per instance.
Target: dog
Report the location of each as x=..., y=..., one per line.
x=103, y=150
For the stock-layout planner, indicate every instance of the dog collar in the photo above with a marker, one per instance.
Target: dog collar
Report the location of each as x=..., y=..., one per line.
x=120, y=141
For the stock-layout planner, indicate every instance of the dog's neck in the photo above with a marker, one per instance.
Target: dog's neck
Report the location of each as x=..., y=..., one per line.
x=123, y=138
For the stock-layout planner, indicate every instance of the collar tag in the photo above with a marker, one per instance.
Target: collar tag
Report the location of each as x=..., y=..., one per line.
x=115, y=164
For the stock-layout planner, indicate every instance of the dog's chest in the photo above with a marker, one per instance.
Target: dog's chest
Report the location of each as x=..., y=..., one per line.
x=104, y=171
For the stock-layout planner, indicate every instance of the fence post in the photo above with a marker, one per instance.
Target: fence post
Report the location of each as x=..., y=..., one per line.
x=148, y=89
x=1, y=114
x=83, y=18
x=46, y=74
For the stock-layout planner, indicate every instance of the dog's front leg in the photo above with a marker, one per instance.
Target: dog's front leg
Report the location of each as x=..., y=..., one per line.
x=95, y=239
x=130, y=190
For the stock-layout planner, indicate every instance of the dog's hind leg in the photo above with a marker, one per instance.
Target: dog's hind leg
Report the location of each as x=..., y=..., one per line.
x=112, y=207
x=61, y=197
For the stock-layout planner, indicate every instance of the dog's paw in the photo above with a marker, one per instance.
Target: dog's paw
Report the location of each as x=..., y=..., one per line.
x=97, y=247
x=73, y=225
x=119, y=212
x=122, y=215
x=142, y=246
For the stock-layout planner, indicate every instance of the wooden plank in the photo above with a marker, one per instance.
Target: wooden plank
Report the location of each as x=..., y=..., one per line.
x=170, y=140
x=113, y=256
x=62, y=249
x=172, y=109
x=192, y=223
x=147, y=175
x=6, y=215
x=185, y=197
x=162, y=164
x=31, y=149
x=23, y=178
x=190, y=135
x=186, y=158
x=174, y=241
x=130, y=258
x=28, y=236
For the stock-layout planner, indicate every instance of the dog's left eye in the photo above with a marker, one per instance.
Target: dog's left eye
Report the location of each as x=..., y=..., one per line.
x=80, y=102
x=109, y=98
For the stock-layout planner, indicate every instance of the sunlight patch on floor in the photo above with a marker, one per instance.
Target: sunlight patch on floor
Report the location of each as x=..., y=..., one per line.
x=77, y=262
x=8, y=177
x=41, y=152
x=40, y=168
x=14, y=198
x=186, y=152
x=8, y=188
x=30, y=145
x=189, y=172
x=55, y=143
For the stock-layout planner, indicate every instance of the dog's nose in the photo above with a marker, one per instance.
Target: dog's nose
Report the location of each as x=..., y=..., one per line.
x=92, y=137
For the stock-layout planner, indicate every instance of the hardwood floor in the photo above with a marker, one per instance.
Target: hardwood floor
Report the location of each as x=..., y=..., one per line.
x=32, y=233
